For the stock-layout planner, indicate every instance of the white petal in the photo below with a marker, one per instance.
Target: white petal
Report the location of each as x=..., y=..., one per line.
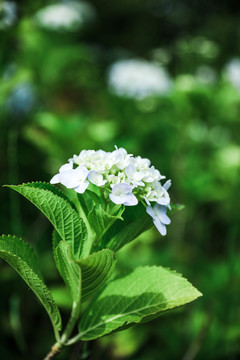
x=96, y=178
x=66, y=167
x=124, y=188
x=69, y=178
x=131, y=200
x=116, y=199
x=150, y=211
x=167, y=184
x=82, y=187
x=55, y=179
x=160, y=212
x=147, y=201
x=82, y=171
x=161, y=227
x=163, y=201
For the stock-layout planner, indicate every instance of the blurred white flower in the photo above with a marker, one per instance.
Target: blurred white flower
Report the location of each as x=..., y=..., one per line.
x=21, y=100
x=233, y=72
x=8, y=14
x=124, y=179
x=206, y=75
x=138, y=79
x=67, y=16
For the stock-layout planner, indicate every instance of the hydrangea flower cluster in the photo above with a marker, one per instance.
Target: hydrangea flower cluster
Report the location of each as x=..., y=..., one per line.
x=125, y=178
x=233, y=72
x=138, y=79
x=67, y=16
x=8, y=14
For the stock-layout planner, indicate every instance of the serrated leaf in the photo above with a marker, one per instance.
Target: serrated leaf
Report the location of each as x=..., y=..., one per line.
x=96, y=269
x=22, y=258
x=136, y=221
x=68, y=269
x=60, y=213
x=53, y=189
x=145, y=293
x=101, y=221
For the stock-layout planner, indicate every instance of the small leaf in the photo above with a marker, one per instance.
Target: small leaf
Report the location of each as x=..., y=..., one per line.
x=89, y=199
x=136, y=221
x=61, y=214
x=96, y=269
x=176, y=208
x=101, y=221
x=145, y=293
x=68, y=269
x=22, y=258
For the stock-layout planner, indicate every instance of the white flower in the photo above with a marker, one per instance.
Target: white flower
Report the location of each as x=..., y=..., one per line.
x=160, y=219
x=8, y=14
x=120, y=158
x=138, y=79
x=99, y=161
x=113, y=179
x=72, y=178
x=127, y=180
x=96, y=178
x=151, y=174
x=233, y=72
x=206, y=75
x=122, y=194
x=56, y=178
x=140, y=163
x=134, y=176
x=159, y=194
x=68, y=16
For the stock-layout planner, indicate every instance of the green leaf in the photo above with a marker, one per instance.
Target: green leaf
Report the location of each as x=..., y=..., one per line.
x=68, y=269
x=145, y=293
x=96, y=269
x=101, y=221
x=22, y=258
x=89, y=199
x=60, y=213
x=176, y=207
x=121, y=233
x=53, y=189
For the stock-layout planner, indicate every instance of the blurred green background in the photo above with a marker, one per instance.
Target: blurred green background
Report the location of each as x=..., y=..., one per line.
x=160, y=78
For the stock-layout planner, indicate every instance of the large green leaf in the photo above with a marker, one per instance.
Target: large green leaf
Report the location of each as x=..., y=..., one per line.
x=47, y=186
x=140, y=296
x=101, y=221
x=61, y=214
x=69, y=270
x=22, y=258
x=136, y=221
x=96, y=269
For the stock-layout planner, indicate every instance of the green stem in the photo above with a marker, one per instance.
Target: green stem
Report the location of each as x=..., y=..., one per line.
x=73, y=340
x=57, y=347
x=13, y=179
x=71, y=323
x=104, y=199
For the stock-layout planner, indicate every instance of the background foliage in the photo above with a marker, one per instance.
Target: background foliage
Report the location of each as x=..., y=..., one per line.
x=55, y=101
